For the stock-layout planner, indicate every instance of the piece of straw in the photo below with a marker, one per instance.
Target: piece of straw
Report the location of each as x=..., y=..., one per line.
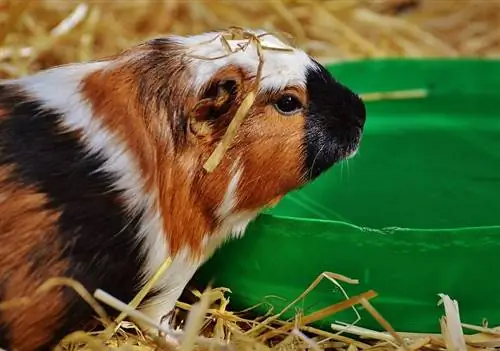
x=194, y=321
x=215, y=158
x=383, y=322
x=395, y=95
x=451, y=325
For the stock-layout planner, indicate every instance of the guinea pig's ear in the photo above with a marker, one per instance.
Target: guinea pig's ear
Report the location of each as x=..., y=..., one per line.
x=216, y=101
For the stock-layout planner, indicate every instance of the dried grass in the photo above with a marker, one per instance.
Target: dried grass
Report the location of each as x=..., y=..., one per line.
x=208, y=325
x=37, y=34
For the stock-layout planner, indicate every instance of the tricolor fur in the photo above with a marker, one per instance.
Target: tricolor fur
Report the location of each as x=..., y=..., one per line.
x=101, y=174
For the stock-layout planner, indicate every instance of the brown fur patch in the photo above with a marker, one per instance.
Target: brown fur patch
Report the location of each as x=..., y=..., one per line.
x=28, y=241
x=188, y=205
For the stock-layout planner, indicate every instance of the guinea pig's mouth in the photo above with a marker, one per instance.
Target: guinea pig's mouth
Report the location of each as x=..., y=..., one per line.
x=349, y=148
x=339, y=149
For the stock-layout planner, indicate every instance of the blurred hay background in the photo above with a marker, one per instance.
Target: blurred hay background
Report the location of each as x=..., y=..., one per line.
x=36, y=34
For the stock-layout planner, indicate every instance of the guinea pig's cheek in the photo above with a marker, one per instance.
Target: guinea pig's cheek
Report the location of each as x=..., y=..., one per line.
x=270, y=174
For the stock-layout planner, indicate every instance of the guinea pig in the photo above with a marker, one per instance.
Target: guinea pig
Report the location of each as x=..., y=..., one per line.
x=102, y=177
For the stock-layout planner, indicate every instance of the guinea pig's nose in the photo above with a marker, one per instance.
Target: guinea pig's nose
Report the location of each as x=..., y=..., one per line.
x=335, y=121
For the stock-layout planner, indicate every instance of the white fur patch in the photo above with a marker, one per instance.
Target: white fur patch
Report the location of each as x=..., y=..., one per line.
x=232, y=227
x=280, y=68
x=239, y=222
x=59, y=89
x=233, y=224
x=173, y=282
x=230, y=197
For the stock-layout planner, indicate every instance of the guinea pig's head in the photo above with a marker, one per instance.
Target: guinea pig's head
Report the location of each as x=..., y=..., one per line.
x=301, y=123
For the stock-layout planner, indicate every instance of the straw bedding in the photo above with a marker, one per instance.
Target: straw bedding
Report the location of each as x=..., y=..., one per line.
x=38, y=34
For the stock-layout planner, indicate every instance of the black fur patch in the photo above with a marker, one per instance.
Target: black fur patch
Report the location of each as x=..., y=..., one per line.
x=334, y=119
x=97, y=235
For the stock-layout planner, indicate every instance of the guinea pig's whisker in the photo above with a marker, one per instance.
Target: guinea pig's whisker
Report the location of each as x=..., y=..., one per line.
x=344, y=164
x=149, y=225
x=315, y=158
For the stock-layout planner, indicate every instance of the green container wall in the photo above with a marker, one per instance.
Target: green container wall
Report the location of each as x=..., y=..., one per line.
x=414, y=214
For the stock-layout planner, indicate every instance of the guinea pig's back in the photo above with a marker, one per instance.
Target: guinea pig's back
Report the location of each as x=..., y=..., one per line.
x=59, y=216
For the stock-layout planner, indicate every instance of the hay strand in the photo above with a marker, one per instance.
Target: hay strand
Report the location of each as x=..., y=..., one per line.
x=383, y=322
x=395, y=95
x=451, y=325
x=215, y=158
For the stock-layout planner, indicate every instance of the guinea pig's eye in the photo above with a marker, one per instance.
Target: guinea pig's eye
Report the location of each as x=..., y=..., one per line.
x=288, y=105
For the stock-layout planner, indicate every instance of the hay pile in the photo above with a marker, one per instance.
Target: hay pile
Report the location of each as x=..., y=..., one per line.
x=38, y=34
x=208, y=324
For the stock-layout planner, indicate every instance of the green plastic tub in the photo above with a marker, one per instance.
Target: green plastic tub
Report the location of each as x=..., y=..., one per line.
x=416, y=213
